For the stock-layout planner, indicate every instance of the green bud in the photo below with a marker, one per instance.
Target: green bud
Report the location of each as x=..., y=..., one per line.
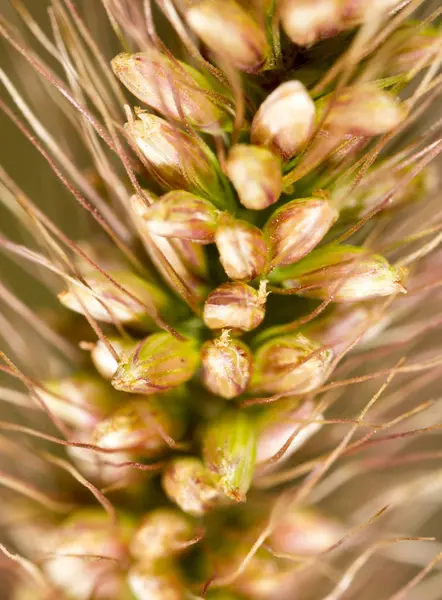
x=158, y=363
x=174, y=158
x=227, y=366
x=297, y=227
x=290, y=363
x=106, y=302
x=347, y=272
x=306, y=22
x=242, y=248
x=229, y=450
x=189, y=485
x=256, y=174
x=162, y=533
x=363, y=110
x=284, y=121
x=80, y=400
x=183, y=215
x=156, y=581
x=235, y=305
x=230, y=32
x=89, y=533
x=139, y=425
x=159, y=81
x=103, y=359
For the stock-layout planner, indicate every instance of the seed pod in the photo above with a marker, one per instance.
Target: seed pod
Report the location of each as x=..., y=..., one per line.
x=290, y=363
x=106, y=302
x=242, y=43
x=183, y=215
x=256, y=174
x=162, y=533
x=139, y=425
x=227, y=366
x=242, y=249
x=284, y=120
x=306, y=22
x=278, y=424
x=80, y=400
x=229, y=451
x=86, y=534
x=297, y=227
x=103, y=360
x=347, y=272
x=158, y=363
x=189, y=485
x=235, y=305
x=155, y=582
x=304, y=532
x=174, y=158
x=363, y=110
x=169, y=86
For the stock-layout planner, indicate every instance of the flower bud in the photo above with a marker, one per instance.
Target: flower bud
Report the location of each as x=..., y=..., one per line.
x=169, y=86
x=139, y=425
x=306, y=22
x=284, y=120
x=235, y=305
x=189, y=485
x=242, y=249
x=228, y=30
x=256, y=174
x=355, y=12
x=290, y=363
x=162, y=533
x=155, y=582
x=347, y=272
x=183, y=215
x=412, y=46
x=80, y=400
x=104, y=361
x=227, y=366
x=363, y=110
x=175, y=159
x=304, y=532
x=87, y=534
x=106, y=302
x=229, y=450
x=297, y=227
x=278, y=424
x=157, y=364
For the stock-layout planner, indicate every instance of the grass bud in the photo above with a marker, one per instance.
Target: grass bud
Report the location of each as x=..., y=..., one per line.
x=74, y=545
x=350, y=273
x=162, y=533
x=235, y=305
x=230, y=32
x=227, y=366
x=364, y=110
x=149, y=581
x=242, y=248
x=106, y=302
x=80, y=400
x=174, y=158
x=413, y=46
x=180, y=214
x=304, y=532
x=306, y=22
x=284, y=120
x=139, y=425
x=189, y=485
x=256, y=175
x=297, y=227
x=169, y=86
x=290, y=363
x=104, y=361
x=157, y=364
x=229, y=451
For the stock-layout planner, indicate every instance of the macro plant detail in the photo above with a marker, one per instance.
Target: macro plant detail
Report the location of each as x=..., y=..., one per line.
x=226, y=386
